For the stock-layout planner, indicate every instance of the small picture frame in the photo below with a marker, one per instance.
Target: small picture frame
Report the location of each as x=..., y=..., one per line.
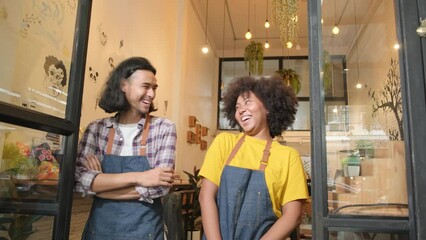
x=190, y=137
x=197, y=138
x=203, y=145
x=192, y=121
x=204, y=131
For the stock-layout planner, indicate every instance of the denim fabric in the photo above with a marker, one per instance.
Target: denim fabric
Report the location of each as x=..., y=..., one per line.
x=124, y=220
x=245, y=207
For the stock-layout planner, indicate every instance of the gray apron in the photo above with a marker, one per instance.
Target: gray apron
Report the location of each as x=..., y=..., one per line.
x=128, y=219
x=245, y=207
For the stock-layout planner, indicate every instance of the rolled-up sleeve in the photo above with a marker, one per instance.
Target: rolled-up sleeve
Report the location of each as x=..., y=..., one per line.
x=161, y=153
x=83, y=176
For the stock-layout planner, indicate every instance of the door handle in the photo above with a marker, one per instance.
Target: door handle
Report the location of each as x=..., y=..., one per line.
x=421, y=30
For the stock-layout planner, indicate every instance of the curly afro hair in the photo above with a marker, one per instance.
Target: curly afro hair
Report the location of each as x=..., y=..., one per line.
x=278, y=99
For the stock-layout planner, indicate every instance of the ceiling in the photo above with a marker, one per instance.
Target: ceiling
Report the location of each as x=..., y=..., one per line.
x=228, y=21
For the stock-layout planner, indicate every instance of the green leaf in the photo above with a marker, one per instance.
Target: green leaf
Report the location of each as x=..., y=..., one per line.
x=290, y=78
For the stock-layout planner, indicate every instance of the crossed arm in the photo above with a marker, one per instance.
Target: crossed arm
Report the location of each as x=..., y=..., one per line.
x=121, y=186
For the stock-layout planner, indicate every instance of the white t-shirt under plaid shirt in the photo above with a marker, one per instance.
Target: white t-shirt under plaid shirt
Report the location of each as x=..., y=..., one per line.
x=161, y=147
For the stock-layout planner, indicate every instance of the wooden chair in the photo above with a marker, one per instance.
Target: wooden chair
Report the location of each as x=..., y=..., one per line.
x=188, y=204
x=173, y=221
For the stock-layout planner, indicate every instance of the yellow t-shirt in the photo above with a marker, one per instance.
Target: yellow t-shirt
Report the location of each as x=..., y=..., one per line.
x=284, y=174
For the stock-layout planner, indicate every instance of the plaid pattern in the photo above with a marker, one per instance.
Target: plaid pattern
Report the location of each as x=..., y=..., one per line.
x=161, y=147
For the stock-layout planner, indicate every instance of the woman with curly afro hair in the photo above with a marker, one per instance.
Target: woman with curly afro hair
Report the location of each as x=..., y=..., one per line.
x=253, y=187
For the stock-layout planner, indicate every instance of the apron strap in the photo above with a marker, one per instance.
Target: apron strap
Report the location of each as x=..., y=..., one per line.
x=265, y=157
x=235, y=150
x=145, y=131
x=110, y=140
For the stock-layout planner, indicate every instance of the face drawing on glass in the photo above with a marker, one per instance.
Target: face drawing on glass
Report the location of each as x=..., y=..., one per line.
x=56, y=76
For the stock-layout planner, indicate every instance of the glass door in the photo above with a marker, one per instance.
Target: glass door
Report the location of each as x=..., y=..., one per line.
x=362, y=167
x=43, y=49
x=365, y=158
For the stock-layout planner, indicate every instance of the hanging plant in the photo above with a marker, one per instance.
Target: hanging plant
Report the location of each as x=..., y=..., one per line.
x=285, y=15
x=326, y=72
x=253, y=58
x=290, y=78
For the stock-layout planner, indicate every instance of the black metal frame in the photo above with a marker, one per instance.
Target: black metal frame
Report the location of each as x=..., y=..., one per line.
x=281, y=59
x=414, y=100
x=68, y=127
x=413, y=85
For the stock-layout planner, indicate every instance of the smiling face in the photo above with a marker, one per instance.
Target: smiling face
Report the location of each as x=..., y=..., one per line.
x=55, y=75
x=251, y=115
x=139, y=90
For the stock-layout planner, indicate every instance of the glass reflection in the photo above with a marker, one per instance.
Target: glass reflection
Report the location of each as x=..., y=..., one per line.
x=29, y=163
x=367, y=235
x=22, y=226
x=37, y=38
x=365, y=148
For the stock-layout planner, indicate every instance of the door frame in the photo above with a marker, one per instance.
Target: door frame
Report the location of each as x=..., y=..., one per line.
x=68, y=127
x=413, y=93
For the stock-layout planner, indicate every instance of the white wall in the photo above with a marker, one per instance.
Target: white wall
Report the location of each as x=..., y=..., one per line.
x=198, y=94
x=169, y=34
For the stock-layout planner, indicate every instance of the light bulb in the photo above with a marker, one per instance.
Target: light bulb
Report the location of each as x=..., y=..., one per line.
x=358, y=85
x=267, y=25
x=266, y=44
x=205, y=49
x=248, y=34
x=289, y=45
x=396, y=46
x=335, y=30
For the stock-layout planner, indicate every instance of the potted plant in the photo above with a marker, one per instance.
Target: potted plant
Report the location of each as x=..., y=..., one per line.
x=195, y=180
x=290, y=78
x=18, y=162
x=354, y=165
x=365, y=148
x=253, y=58
x=27, y=169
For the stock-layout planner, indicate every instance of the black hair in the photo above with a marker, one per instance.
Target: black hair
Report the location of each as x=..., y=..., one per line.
x=279, y=100
x=112, y=98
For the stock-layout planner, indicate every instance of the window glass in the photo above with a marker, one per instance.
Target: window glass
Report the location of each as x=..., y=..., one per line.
x=29, y=163
x=36, y=37
x=336, y=94
x=23, y=226
x=367, y=235
x=301, y=67
x=365, y=148
x=235, y=69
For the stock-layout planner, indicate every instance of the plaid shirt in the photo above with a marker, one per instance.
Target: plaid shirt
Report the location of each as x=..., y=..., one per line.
x=161, y=146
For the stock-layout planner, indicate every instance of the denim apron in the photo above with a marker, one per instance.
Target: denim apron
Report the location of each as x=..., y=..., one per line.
x=245, y=207
x=124, y=219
